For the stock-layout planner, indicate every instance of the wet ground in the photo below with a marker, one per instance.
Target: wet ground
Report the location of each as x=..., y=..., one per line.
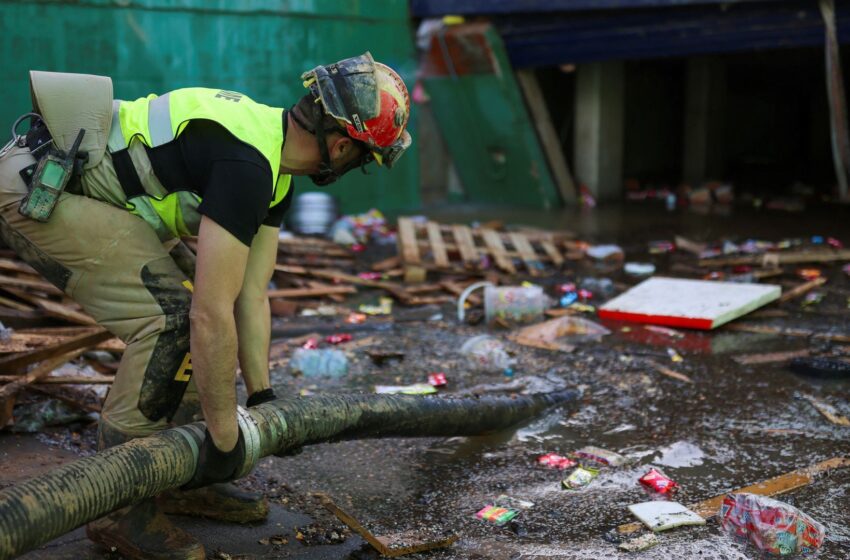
x=733, y=426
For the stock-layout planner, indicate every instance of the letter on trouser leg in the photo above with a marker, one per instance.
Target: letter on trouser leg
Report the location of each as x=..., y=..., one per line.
x=112, y=263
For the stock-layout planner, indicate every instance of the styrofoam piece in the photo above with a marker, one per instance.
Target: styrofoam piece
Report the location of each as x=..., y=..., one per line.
x=695, y=304
x=661, y=515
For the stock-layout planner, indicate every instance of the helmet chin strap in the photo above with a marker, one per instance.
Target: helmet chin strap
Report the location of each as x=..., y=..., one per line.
x=327, y=174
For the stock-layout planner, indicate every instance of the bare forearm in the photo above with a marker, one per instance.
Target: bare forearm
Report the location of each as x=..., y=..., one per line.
x=213, y=346
x=253, y=327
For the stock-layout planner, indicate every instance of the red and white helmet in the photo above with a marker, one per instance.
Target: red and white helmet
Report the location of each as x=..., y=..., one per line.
x=369, y=100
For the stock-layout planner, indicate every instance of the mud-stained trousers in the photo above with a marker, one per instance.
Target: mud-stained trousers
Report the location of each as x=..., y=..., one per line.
x=113, y=264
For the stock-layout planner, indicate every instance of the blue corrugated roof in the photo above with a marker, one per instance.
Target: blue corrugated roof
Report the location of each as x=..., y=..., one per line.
x=434, y=8
x=679, y=28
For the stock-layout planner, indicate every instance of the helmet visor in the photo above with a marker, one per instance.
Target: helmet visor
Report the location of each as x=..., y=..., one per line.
x=389, y=155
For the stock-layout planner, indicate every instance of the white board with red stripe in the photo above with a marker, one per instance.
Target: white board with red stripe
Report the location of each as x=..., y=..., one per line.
x=695, y=304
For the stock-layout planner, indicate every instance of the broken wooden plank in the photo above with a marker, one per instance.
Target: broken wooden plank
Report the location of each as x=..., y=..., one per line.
x=775, y=486
x=53, y=308
x=827, y=410
x=18, y=362
x=311, y=292
x=769, y=357
x=772, y=260
x=64, y=380
x=552, y=252
x=399, y=544
x=786, y=331
x=12, y=265
x=334, y=275
x=497, y=250
x=387, y=264
x=438, y=247
x=802, y=289
x=465, y=245
x=9, y=392
x=408, y=246
x=664, y=370
x=526, y=252
x=30, y=284
x=12, y=304
x=690, y=246
x=457, y=289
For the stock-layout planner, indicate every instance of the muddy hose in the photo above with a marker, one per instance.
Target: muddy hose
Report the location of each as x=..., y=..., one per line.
x=42, y=508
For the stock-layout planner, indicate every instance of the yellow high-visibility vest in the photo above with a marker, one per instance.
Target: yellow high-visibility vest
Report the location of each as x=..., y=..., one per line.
x=157, y=120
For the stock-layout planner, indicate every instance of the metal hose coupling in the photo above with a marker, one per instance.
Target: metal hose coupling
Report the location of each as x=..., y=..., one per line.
x=253, y=444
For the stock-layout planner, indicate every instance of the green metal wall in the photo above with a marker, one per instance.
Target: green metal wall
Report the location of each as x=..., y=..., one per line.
x=257, y=47
x=489, y=133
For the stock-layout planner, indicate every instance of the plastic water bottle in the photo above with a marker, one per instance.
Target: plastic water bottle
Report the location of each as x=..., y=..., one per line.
x=321, y=362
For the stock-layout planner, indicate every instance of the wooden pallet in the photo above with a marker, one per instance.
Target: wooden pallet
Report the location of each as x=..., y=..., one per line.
x=458, y=247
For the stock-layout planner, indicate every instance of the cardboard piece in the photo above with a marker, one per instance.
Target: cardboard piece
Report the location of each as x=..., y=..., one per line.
x=661, y=515
x=695, y=304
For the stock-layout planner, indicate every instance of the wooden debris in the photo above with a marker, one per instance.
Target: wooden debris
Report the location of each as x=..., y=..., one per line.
x=393, y=545
x=828, y=411
x=802, y=289
x=64, y=380
x=311, y=292
x=438, y=247
x=786, y=331
x=771, y=487
x=18, y=362
x=773, y=260
x=664, y=370
x=770, y=357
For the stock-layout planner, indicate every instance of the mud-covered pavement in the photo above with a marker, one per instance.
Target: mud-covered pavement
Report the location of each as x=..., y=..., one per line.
x=733, y=426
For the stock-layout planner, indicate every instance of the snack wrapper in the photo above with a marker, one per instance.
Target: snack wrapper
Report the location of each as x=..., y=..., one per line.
x=772, y=526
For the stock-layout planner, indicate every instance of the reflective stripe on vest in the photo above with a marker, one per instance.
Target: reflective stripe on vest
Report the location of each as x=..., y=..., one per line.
x=155, y=121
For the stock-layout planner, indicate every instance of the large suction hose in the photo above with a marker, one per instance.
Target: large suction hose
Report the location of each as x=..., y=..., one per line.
x=40, y=509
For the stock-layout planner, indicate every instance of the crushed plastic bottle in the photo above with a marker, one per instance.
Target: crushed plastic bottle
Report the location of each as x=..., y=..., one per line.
x=772, y=526
x=486, y=353
x=324, y=362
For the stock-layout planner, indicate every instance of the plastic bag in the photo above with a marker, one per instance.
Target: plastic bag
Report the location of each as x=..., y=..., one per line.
x=486, y=353
x=772, y=526
x=323, y=362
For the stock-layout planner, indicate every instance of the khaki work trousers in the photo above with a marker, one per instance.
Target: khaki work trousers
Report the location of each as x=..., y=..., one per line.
x=112, y=263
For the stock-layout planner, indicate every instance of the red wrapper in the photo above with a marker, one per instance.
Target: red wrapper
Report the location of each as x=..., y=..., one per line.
x=658, y=482
x=369, y=275
x=311, y=344
x=338, y=338
x=554, y=461
x=437, y=379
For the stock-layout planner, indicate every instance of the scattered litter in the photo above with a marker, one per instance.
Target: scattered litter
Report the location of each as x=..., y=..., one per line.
x=641, y=543
x=828, y=411
x=809, y=273
x=548, y=334
x=555, y=461
x=581, y=476
x=696, y=304
x=310, y=344
x=662, y=515
x=774, y=357
x=503, y=509
x=846, y=269
x=356, y=318
x=325, y=362
x=661, y=247
x=514, y=304
x=664, y=370
x=338, y=338
x=486, y=353
x=414, y=389
x=812, y=298
x=437, y=379
x=656, y=481
x=639, y=269
x=35, y=416
x=675, y=357
x=604, y=252
x=384, y=307
x=770, y=525
x=770, y=487
x=603, y=456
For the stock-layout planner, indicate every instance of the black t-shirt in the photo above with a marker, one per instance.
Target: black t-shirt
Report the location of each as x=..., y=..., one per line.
x=232, y=178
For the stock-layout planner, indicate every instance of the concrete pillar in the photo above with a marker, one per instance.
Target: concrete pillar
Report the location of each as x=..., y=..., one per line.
x=599, y=109
x=705, y=100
